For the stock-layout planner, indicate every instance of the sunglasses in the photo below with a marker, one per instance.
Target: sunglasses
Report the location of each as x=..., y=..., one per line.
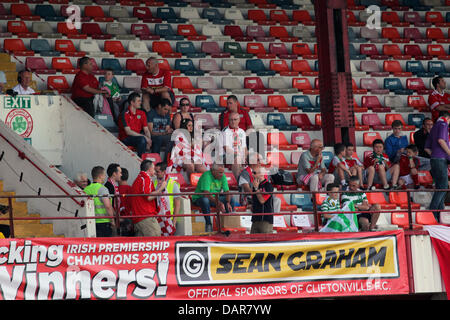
x=184, y=104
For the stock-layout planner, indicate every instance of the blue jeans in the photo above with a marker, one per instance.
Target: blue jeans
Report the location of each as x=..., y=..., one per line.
x=138, y=142
x=159, y=141
x=205, y=204
x=439, y=174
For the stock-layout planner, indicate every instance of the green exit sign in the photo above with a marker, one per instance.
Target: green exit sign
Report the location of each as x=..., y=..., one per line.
x=18, y=102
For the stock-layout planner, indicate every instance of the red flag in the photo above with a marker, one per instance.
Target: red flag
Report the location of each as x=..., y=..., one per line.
x=440, y=237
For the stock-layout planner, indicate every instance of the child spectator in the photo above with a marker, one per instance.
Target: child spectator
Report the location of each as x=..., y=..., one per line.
x=332, y=202
x=409, y=166
x=113, y=101
x=338, y=166
x=367, y=221
x=353, y=163
x=379, y=169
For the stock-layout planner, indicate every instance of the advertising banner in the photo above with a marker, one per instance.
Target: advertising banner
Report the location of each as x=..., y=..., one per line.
x=197, y=268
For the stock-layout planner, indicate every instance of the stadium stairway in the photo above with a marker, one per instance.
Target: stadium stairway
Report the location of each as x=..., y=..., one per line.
x=25, y=228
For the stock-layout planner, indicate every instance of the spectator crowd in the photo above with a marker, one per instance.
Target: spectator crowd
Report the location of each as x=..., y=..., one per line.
x=146, y=124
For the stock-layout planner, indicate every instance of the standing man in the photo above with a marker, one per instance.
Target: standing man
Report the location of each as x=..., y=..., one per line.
x=156, y=84
x=85, y=86
x=311, y=168
x=438, y=100
x=114, y=173
x=24, y=79
x=133, y=127
x=103, y=206
x=145, y=205
x=437, y=145
x=262, y=203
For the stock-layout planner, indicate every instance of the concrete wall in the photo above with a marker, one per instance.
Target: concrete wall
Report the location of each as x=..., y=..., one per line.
x=24, y=178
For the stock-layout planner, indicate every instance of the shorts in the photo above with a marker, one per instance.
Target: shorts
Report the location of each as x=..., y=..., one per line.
x=366, y=215
x=408, y=179
x=148, y=227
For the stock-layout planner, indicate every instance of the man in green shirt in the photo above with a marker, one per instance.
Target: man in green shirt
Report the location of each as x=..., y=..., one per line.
x=213, y=181
x=367, y=221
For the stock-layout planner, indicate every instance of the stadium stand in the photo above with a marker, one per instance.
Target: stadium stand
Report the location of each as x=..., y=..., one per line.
x=265, y=52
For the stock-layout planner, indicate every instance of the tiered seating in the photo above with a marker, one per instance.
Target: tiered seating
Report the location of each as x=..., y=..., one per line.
x=264, y=51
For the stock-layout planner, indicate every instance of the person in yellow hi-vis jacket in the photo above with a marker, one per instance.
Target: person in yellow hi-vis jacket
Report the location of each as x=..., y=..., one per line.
x=103, y=205
x=167, y=204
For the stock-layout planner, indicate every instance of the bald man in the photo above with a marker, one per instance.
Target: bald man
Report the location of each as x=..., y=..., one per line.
x=156, y=85
x=311, y=168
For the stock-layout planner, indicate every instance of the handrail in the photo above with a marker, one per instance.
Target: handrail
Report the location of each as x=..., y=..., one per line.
x=316, y=213
x=23, y=156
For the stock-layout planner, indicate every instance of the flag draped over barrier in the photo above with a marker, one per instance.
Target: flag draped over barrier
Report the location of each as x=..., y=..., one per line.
x=440, y=238
x=343, y=222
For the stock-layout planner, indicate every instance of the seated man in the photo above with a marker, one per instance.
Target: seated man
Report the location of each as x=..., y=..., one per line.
x=379, y=169
x=396, y=143
x=213, y=181
x=366, y=221
x=24, y=78
x=311, y=168
x=156, y=84
x=159, y=125
x=133, y=129
x=235, y=144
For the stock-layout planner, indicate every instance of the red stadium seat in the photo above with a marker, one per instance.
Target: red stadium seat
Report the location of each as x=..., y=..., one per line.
x=116, y=48
x=437, y=50
x=425, y=218
x=279, y=65
x=369, y=137
x=302, y=121
x=279, y=102
x=279, y=16
x=417, y=85
x=96, y=13
x=20, y=28
x=278, y=140
x=401, y=200
x=303, y=67
x=154, y=157
x=278, y=159
x=71, y=33
x=92, y=29
x=417, y=102
x=302, y=49
x=67, y=47
x=436, y=34
x=63, y=64
x=184, y=84
x=304, y=17
x=164, y=49
x=259, y=16
x=400, y=219
x=23, y=11
x=58, y=83
x=136, y=65
x=391, y=117
x=303, y=84
x=372, y=120
x=378, y=197
x=394, y=67
x=17, y=47
x=425, y=178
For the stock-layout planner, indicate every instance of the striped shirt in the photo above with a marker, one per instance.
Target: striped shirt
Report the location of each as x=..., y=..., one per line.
x=330, y=204
x=357, y=198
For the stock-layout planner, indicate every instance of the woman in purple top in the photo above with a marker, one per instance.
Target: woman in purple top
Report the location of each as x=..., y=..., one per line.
x=437, y=145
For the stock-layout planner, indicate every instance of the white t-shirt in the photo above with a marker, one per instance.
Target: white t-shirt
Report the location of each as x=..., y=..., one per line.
x=236, y=140
x=20, y=90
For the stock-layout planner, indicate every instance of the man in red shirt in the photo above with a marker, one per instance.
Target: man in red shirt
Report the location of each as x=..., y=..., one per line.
x=85, y=86
x=146, y=205
x=233, y=106
x=156, y=84
x=438, y=100
x=133, y=127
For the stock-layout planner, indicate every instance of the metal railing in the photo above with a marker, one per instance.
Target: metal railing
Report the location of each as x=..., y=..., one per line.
x=315, y=211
